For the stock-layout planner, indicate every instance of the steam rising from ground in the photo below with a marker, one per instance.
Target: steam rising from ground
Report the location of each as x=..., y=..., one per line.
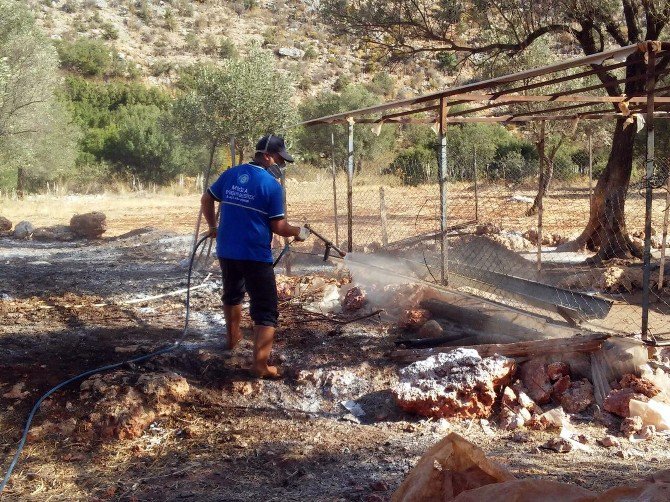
x=389, y=282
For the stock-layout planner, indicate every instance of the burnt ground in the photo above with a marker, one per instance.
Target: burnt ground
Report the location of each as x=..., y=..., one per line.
x=231, y=437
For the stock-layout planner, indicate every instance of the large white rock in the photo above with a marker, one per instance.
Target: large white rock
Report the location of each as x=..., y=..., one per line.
x=457, y=384
x=291, y=52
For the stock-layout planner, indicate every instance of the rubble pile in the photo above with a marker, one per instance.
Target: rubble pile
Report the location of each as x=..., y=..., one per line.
x=630, y=387
x=458, y=384
x=124, y=404
x=616, y=278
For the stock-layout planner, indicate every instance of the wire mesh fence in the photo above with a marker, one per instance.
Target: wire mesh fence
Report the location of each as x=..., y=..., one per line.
x=499, y=244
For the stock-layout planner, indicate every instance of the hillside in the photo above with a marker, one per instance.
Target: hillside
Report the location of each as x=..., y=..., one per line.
x=160, y=37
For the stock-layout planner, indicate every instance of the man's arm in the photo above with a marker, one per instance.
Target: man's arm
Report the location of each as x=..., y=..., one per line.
x=207, y=206
x=281, y=227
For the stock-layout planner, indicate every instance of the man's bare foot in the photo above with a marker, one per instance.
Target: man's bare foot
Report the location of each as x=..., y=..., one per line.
x=270, y=372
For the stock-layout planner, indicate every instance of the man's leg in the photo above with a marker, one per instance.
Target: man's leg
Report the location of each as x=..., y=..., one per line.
x=233, y=293
x=233, y=315
x=264, y=337
x=260, y=283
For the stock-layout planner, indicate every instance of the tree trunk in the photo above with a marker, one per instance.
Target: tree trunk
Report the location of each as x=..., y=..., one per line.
x=545, y=179
x=546, y=172
x=606, y=229
x=20, y=182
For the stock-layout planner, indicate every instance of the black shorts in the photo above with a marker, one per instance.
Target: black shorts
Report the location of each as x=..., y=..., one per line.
x=258, y=279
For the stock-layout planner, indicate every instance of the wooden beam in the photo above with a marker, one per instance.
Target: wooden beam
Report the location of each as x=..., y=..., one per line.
x=526, y=349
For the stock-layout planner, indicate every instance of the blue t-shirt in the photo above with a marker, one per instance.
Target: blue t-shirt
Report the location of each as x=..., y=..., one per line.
x=250, y=198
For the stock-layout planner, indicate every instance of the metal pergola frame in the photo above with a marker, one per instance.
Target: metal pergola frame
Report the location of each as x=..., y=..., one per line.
x=491, y=95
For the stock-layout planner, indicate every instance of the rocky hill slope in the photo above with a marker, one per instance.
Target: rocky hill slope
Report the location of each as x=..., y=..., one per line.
x=159, y=37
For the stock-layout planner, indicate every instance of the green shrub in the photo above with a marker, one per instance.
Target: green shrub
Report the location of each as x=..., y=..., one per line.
x=109, y=32
x=311, y=52
x=446, y=61
x=564, y=167
x=341, y=83
x=170, y=20
x=227, y=49
x=192, y=42
x=87, y=57
x=415, y=165
x=382, y=83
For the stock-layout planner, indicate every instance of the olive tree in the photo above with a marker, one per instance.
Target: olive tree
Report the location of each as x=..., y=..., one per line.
x=245, y=98
x=36, y=138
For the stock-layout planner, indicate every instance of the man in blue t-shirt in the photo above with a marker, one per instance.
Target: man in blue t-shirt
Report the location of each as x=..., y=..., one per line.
x=252, y=209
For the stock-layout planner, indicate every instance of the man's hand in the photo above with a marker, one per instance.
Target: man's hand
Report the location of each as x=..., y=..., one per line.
x=304, y=233
x=211, y=233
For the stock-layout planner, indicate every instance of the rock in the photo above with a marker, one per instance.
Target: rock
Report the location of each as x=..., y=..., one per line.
x=89, y=225
x=53, y=233
x=606, y=418
x=414, y=318
x=509, y=398
x=534, y=377
x=5, y=224
x=513, y=241
x=431, y=329
x=510, y=420
x=561, y=385
x=557, y=370
x=640, y=385
x=609, y=441
x=618, y=401
x=16, y=392
x=522, y=396
x=123, y=405
x=354, y=299
x=578, y=397
x=23, y=230
x=647, y=432
x=559, y=445
x=291, y=52
x=631, y=425
x=453, y=384
x=487, y=229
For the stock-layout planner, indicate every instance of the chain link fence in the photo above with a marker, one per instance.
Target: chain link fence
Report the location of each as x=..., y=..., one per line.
x=498, y=245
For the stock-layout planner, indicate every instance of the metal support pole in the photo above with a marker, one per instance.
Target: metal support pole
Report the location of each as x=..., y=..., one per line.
x=476, y=186
x=350, y=187
x=287, y=256
x=382, y=217
x=590, y=169
x=332, y=157
x=646, y=273
x=442, y=173
x=664, y=240
x=540, y=203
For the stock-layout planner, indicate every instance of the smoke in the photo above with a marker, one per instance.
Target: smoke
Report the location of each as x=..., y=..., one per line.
x=392, y=283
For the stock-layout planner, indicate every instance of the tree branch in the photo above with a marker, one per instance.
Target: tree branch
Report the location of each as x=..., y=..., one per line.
x=630, y=15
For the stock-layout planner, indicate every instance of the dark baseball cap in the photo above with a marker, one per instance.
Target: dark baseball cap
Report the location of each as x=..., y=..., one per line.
x=273, y=144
